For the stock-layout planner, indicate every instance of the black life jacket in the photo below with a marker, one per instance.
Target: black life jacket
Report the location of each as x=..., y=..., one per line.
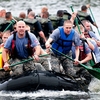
x=13, y=46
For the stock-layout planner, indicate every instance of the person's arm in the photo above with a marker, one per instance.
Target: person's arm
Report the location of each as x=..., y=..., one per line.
x=76, y=61
x=5, y=53
x=48, y=45
x=43, y=52
x=97, y=41
x=95, y=25
x=37, y=52
x=88, y=57
x=77, y=52
x=91, y=21
x=91, y=46
x=52, y=38
x=73, y=16
x=42, y=35
x=39, y=29
x=88, y=5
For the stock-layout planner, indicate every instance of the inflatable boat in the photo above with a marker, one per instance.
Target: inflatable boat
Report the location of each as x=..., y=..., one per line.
x=48, y=80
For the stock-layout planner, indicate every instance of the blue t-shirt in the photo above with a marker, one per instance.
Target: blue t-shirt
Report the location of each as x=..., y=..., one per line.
x=93, y=35
x=21, y=44
x=96, y=51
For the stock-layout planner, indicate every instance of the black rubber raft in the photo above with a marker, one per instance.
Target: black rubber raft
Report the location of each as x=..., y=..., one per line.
x=48, y=80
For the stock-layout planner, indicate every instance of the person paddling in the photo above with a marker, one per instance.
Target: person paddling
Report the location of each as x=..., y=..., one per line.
x=83, y=15
x=21, y=45
x=3, y=73
x=63, y=38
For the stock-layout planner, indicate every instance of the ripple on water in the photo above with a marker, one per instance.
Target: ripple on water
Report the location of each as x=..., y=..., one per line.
x=44, y=95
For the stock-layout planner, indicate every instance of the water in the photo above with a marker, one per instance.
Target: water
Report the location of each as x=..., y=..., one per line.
x=44, y=95
x=16, y=6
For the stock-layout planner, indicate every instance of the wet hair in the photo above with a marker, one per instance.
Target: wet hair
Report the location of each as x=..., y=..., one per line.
x=8, y=15
x=31, y=13
x=84, y=7
x=60, y=13
x=44, y=9
x=45, y=14
x=29, y=10
x=84, y=21
x=22, y=15
x=67, y=21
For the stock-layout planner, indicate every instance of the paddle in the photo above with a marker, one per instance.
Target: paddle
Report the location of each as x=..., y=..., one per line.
x=26, y=60
x=93, y=71
x=76, y=21
x=94, y=19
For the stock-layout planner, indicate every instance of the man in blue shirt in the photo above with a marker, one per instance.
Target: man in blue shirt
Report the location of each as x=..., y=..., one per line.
x=21, y=45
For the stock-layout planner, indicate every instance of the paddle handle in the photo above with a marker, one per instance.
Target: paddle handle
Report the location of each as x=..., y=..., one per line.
x=92, y=14
x=76, y=21
x=70, y=58
x=94, y=19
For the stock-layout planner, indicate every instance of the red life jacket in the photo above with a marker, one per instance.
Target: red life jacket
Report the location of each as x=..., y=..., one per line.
x=13, y=46
x=82, y=54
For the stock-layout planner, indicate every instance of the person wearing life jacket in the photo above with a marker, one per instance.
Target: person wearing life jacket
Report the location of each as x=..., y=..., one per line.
x=3, y=73
x=57, y=20
x=35, y=26
x=2, y=21
x=63, y=38
x=85, y=55
x=92, y=37
x=29, y=10
x=21, y=16
x=8, y=19
x=66, y=15
x=43, y=61
x=46, y=25
x=83, y=15
x=21, y=48
x=85, y=47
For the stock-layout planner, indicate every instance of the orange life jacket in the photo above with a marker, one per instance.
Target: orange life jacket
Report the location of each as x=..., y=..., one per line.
x=1, y=59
